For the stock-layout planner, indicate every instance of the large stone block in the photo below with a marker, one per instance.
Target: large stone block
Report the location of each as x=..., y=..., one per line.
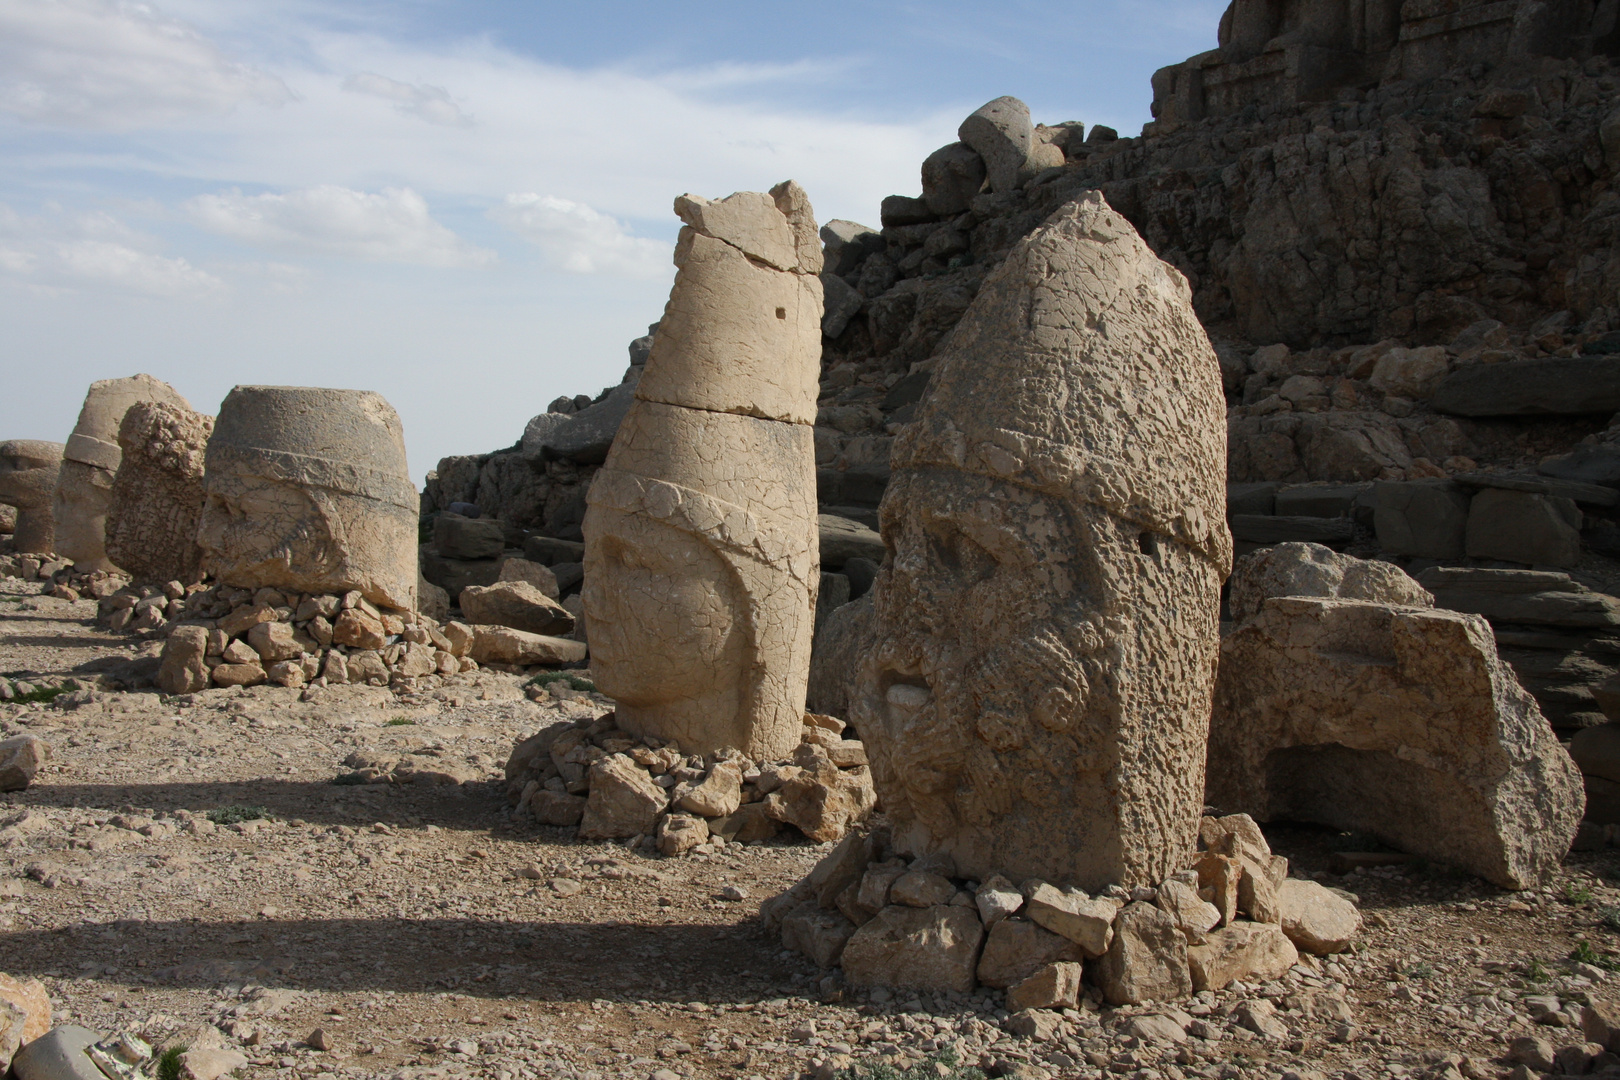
x=28, y=475
x=1425, y=518
x=700, y=558
x=516, y=604
x=90, y=461
x=458, y=537
x=308, y=490
x=1001, y=133
x=1520, y=527
x=1058, y=533
x=932, y=949
x=1313, y=570
x=157, y=494
x=1551, y=387
x=1399, y=722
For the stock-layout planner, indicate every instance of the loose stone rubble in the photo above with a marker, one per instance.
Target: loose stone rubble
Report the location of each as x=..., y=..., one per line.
x=617, y=785
x=308, y=492
x=700, y=569
x=157, y=494
x=89, y=463
x=919, y=925
x=28, y=475
x=1053, y=591
x=1399, y=721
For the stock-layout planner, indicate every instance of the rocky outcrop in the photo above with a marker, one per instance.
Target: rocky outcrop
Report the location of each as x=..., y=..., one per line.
x=157, y=494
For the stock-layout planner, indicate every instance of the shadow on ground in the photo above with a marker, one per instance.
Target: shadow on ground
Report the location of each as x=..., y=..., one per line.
x=553, y=961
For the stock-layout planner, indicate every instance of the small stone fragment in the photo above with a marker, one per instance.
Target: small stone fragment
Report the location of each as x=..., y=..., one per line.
x=20, y=760
x=1315, y=918
x=1055, y=986
x=1247, y=951
x=1085, y=921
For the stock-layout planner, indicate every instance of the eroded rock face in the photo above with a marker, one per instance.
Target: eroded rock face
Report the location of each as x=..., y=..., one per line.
x=28, y=474
x=1401, y=722
x=308, y=490
x=91, y=460
x=1057, y=537
x=1297, y=569
x=157, y=494
x=700, y=562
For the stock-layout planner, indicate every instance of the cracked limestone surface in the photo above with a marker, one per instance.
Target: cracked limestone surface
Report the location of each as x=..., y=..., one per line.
x=1037, y=693
x=157, y=493
x=701, y=563
x=308, y=490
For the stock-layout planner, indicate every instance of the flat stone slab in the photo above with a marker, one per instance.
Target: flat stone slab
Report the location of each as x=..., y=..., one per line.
x=1554, y=387
x=1265, y=529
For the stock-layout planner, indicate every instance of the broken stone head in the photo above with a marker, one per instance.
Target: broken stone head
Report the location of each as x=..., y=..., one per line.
x=1037, y=696
x=91, y=460
x=700, y=541
x=308, y=490
x=28, y=472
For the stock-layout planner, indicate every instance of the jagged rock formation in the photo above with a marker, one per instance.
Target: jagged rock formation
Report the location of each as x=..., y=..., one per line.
x=157, y=494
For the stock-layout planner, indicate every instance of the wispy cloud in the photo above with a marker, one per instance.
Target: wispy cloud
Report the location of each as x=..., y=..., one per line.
x=62, y=252
x=391, y=226
x=579, y=240
x=430, y=103
x=113, y=65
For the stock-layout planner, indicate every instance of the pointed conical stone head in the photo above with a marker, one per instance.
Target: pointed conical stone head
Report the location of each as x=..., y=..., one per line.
x=700, y=538
x=1038, y=695
x=84, y=485
x=308, y=490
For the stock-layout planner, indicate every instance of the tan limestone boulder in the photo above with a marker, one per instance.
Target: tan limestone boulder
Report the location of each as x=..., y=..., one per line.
x=1057, y=521
x=1400, y=722
x=680, y=833
x=1014, y=950
x=534, y=573
x=1246, y=951
x=1055, y=986
x=517, y=604
x=308, y=490
x=932, y=950
x=700, y=538
x=821, y=799
x=21, y=758
x=719, y=794
x=1315, y=918
x=28, y=474
x=503, y=645
x=1085, y=921
x=1147, y=959
x=25, y=1014
x=623, y=802
x=157, y=493
x=183, y=669
x=1193, y=915
x=90, y=462
x=1296, y=569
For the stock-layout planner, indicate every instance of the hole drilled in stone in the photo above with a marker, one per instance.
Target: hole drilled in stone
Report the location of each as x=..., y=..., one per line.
x=781, y=313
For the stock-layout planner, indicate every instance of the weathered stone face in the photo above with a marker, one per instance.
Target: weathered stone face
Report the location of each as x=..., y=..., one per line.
x=701, y=562
x=308, y=489
x=1044, y=629
x=28, y=475
x=91, y=459
x=157, y=493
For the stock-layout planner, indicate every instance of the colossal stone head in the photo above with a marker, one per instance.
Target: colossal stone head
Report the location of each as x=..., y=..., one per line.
x=308, y=490
x=157, y=494
x=1037, y=697
x=700, y=542
x=84, y=486
x=28, y=472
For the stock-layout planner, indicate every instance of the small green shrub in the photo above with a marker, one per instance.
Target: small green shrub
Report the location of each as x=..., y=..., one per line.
x=1583, y=953
x=1611, y=917
x=1420, y=971
x=168, y=1064
x=1536, y=971
x=1576, y=892
x=42, y=695
x=237, y=812
x=400, y=721
x=941, y=1066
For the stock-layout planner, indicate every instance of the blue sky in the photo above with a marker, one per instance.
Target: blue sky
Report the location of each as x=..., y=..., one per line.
x=464, y=206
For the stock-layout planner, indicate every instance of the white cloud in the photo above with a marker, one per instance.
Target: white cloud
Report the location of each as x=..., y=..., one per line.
x=430, y=103
x=577, y=239
x=93, y=252
x=392, y=226
x=114, y=64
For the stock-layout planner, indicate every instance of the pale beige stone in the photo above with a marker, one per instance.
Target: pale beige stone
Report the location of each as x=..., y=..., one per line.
x=308, y=490
x=1055, y=986
x=517, y=604
x=89, y=463
x=1147, y=960
x=1085, y=921
x=1400, y=722
x=157, y=494
x=28, y=477
x=680, y=833
x=701, y=563
x=183, y=669
x=1037, y=697
x=719, y=794
x=1015, y=949
x=1315, y=918
x=822, y=800
x=21, y=758
x=1247, y=951
x=623, y=801
x=1192, y=915
x=503, y=645
x=930, y=949
x=1296, y=569
x=28, y=997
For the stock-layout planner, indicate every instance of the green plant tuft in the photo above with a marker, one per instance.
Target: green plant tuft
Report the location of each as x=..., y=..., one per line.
x=1611, y=917
x=1583, y=953
x=41, y=695
x=1576, y=892
x=941, y=1066
x=1420, y=971
x=400, y=721
x=1536, y=971
x=230, y=815
x=168, y=1063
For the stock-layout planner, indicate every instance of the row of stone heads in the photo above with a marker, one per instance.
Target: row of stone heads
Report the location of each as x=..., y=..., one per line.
x=294, y=488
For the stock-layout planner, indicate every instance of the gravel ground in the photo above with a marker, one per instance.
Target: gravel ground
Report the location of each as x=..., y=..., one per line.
x=424, y=933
